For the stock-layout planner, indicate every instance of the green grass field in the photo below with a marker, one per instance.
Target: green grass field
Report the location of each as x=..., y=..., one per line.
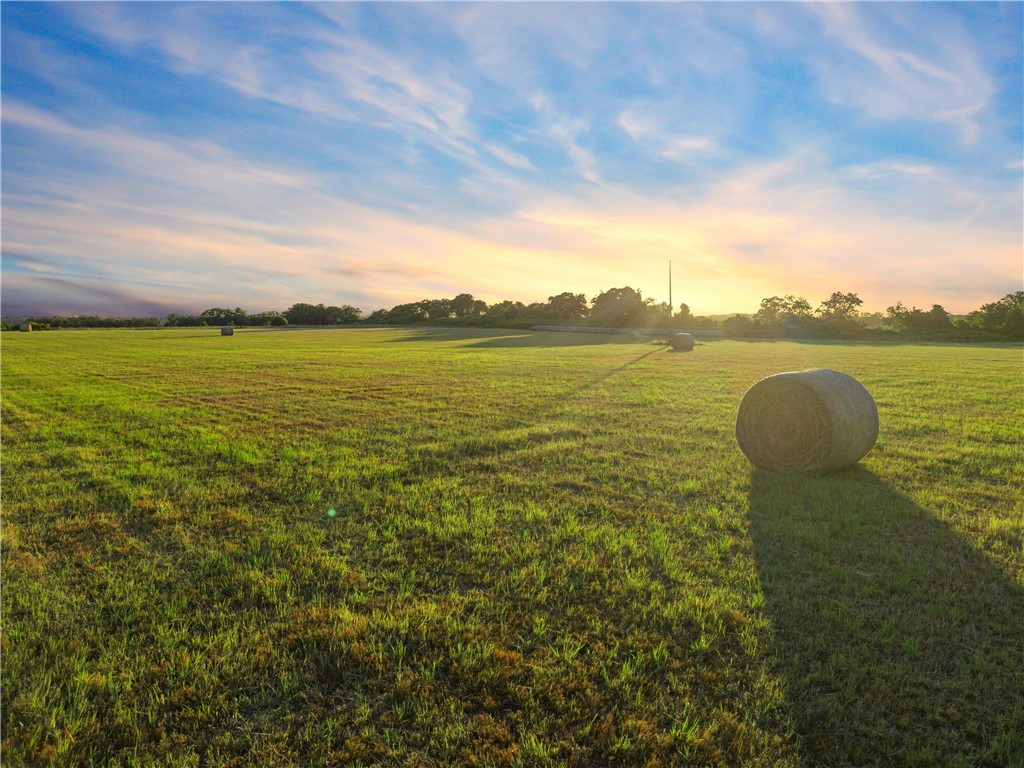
x=545, y=550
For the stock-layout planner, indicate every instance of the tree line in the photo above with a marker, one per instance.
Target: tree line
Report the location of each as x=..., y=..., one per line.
x=83, y=321
x=615, y=308
x=838, y=317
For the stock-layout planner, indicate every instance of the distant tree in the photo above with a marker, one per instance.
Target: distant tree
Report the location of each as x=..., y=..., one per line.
x=91, y=321
x=568, y=306
x=742, y=327
x=895, y=317
x=618, y=307
x=216, y=315
x=260, y=318
x=319, y=314
x=872, y=319
x=304, y=314
x=412, y=312
x=777, y=309
x=938, y=318
x=464, y=305
x=224, y=316
x=771, y=309
x=660, y=307
x=438, y=309
x=684, y=317
x=343, y=315
x=1003, y=318
x=278, y=320
x=916, y=321
x=183, y=321
x=703, y=323
x=506, y=310
x=840, y=306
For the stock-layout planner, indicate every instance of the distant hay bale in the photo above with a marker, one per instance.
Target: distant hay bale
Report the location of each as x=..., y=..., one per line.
x=682, y=342
x=227, y=330
x=814, y=421
x=25, y=327
x=636, y=336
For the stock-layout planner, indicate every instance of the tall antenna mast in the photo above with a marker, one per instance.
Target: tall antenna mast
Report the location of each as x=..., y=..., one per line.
x=670, y=290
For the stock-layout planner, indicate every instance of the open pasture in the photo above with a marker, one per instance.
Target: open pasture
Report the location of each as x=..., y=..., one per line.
x=546, y=549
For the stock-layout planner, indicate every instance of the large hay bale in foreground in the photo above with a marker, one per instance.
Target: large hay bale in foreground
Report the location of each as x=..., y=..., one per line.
x=812, y=421
x=681, y=342
x=227, y=330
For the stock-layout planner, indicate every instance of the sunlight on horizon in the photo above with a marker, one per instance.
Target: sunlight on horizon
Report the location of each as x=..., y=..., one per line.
x=374, y=154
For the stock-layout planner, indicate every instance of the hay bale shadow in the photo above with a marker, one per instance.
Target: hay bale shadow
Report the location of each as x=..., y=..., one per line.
x=899, y=642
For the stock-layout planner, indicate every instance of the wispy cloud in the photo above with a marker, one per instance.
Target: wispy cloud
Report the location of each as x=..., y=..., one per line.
x=510, y=157
x=262, y=154
x=892, y=65
x=671, y=143
x=327, y=71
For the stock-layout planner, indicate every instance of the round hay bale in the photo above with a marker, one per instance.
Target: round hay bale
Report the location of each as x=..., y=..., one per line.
x=681, y=342
x=227, y=330
x=814, y=421
x=25, y=327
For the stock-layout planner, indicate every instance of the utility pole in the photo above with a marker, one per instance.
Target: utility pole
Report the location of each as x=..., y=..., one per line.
x=670, y=292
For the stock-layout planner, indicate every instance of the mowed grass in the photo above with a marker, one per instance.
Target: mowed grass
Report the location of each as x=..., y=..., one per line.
x=546, y=550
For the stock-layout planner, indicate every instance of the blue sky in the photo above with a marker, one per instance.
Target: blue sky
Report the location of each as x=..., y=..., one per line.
x=169, y=157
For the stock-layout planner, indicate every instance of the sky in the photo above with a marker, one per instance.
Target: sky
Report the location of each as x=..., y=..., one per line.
x=171, y=157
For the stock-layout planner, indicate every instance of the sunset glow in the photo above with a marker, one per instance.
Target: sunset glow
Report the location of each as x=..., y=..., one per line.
x=170, y=157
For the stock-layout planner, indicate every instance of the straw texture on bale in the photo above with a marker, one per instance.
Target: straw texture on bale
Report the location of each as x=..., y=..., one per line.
x=227, y=331
x=681, y=341
x=814, y=421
